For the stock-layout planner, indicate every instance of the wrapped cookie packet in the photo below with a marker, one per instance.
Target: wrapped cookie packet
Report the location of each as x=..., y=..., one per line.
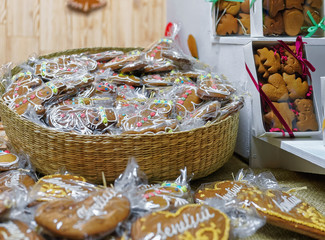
x=284, y=88
x=262, y=193
x=148, y=91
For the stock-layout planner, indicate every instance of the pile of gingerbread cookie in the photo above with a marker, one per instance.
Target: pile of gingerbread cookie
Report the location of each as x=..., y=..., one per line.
x=65, y=206
x=280, y=77
x=290, y=17
x=232, y=18
x=155, y=90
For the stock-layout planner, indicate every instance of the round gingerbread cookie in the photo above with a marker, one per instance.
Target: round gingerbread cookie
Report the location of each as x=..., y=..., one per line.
x=97, y=215
x=58, y=186
x=191, y=221
x=13, y=178
x=15, y=229
x=8, y=161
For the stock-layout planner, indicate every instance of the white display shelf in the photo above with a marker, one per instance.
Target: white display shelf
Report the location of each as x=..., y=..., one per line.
x=298, y=154
x=242, y=40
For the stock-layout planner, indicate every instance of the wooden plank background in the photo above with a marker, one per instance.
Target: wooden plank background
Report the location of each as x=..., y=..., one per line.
x=30, y=27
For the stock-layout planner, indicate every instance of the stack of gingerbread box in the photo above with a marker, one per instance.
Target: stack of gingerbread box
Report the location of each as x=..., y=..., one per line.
x=229, y=53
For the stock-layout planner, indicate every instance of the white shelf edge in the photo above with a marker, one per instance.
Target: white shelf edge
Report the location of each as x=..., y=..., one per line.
x=310, y=149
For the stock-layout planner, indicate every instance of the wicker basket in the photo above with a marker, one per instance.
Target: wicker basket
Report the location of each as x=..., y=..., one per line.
x=202, y=150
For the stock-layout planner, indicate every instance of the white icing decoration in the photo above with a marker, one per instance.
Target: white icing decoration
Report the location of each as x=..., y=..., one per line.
x=189, y=222
x=14, y=232
x=96, y=209
x=288, y=203
x=231, y=193
x=76, y=190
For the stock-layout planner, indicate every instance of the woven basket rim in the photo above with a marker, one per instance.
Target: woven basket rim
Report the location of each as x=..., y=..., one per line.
x=54, y=130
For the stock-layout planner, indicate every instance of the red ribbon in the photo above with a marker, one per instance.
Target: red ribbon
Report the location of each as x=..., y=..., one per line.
x=305, y=64
x=269, y=102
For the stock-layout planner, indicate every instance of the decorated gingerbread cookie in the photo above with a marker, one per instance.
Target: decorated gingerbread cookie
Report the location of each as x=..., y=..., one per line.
x=187, y=100
x=276, y=88
x=207, y=110
x=105, y=56
x=15, y=229
x=22, y=84
x=8, y=161
x=96, y=216
x=168, y=196
x=180, y=60
x=287, y=114
x=192, y=221
x=154, y=52
x=162, y=107
x=81, y=119
x=121, y=61
x=213, y=87
x=136, y=66
x=160, y=66
x=158, y=80
x=151, y=123
x=306, y=120
x=121, y=78
x=13, y=178
x=59, y=186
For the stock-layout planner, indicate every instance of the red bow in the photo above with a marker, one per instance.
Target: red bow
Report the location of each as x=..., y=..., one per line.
x=305, y=64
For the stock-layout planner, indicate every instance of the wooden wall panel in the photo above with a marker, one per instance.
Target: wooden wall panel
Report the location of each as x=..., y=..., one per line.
x=45, y=26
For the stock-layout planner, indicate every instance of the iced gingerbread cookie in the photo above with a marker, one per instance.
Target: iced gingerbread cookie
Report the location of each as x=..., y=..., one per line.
x=120, y=79
x=14, y=178
x=59, y=186
x=213, y=87
x=121, y=61
x=276, y=88
x=161, y=107
x=86, y=5
x=187, y=101
x=283, y=108
x=207, y=110
x=160, y=66
x=82, y=119
x=97, y=215
x=178, y=59
x=157, y=80
x=191, y=221
x=8, y=161
x=105, y=56
x=296, y=87
x=136, y=66
x=151, y=123
x=306, y=120
x=15, y=229
x=22, y=84
x=168, y=196
x=50, y=92
x=154, y=52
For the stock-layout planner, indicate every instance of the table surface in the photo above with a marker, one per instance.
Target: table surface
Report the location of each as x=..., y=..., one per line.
x=314, y=194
